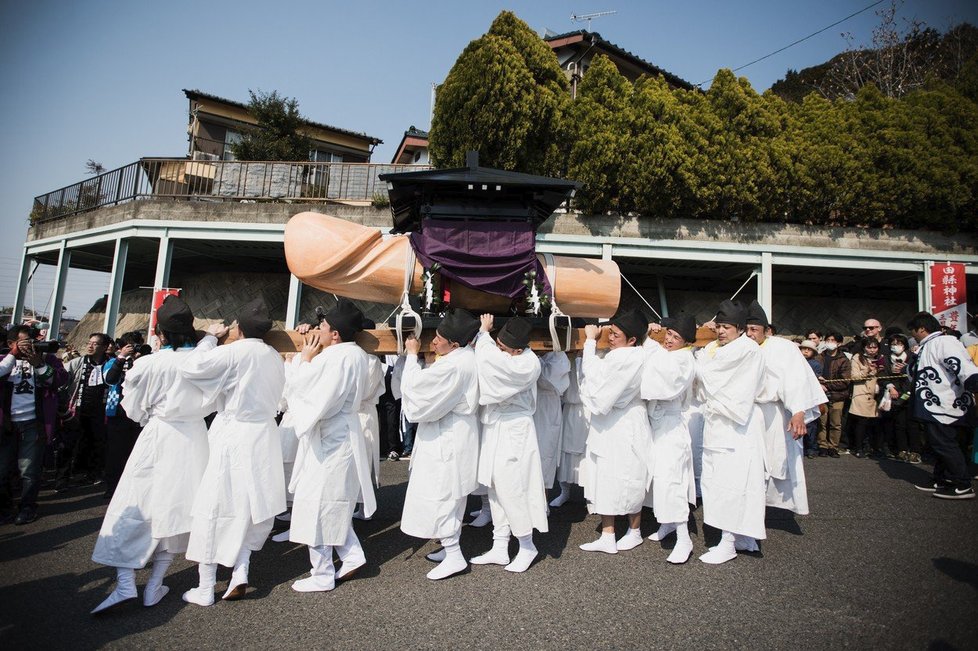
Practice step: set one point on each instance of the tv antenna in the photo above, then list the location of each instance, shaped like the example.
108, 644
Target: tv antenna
579, 18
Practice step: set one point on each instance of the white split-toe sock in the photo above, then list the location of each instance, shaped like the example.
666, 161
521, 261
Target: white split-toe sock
483, 509
203, 594
322, 575
284, 517
358, 513
606, 543
631, 540
745, 544
436, 556
282, 537
452, 563
125, 590
561, 499
684, 545
663, 531
155, 590
239, 576
525, 556
484, 515
351, 555
723, 552
499, 554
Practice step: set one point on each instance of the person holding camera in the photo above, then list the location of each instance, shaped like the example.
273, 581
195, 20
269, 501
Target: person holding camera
29, 382
86, 388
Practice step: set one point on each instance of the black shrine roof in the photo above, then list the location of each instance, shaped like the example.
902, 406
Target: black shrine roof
474, 192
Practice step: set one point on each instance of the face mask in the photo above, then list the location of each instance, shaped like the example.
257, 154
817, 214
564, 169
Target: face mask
831, 345
898, 349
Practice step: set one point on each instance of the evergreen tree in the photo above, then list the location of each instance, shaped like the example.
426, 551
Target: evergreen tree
277, 136
505, 97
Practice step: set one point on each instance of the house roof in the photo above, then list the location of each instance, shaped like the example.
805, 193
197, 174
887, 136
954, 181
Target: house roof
473, 192
196, 94
413, 137
569, 38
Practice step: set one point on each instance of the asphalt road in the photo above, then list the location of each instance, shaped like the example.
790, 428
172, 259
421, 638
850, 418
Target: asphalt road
877, 565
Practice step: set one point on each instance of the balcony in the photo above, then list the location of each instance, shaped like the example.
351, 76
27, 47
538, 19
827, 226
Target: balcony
218, 180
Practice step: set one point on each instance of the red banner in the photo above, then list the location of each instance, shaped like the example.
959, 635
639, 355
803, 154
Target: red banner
159, 295
948, 295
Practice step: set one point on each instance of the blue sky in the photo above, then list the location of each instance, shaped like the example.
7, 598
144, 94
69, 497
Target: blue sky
102, 79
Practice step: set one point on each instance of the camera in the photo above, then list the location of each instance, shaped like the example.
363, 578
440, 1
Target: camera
46, 347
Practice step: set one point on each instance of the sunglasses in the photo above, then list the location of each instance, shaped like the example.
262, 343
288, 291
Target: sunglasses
866, 327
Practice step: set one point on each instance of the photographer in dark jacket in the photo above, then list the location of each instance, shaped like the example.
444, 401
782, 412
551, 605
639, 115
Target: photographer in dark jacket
121, 431
29, 382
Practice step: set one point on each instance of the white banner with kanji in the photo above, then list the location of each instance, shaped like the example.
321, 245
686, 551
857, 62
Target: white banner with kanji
948, 295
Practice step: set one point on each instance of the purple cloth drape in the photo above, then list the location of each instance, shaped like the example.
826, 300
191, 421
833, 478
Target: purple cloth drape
489, 256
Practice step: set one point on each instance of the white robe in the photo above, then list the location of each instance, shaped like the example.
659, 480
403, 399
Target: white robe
443, 399
331, 470
509, 459
369, 421
728, 380
551, 385
618, 467
666, 384
789, 387
286, 434
574, 429
243, 486
152, 504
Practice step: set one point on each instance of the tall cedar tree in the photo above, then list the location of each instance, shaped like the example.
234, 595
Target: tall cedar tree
277, 136
505, 97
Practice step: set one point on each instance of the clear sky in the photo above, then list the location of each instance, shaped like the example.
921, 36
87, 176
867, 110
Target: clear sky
102, 79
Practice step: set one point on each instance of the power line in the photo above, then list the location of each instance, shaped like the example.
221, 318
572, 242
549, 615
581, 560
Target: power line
801, 40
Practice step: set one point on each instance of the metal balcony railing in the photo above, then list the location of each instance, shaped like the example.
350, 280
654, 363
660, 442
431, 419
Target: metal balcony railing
217, 180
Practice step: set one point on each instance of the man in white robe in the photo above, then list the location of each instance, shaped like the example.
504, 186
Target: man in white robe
789, 400
667, 380
547, 419
443, 399
369, 419
243, 487
618, 466
149, 515
509, 460
729, 373
332, 469
573, 435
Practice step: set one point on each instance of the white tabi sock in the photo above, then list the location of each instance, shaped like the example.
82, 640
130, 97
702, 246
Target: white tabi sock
322, 574
203, 594
485, 506
155, 590
358, 513
525, 557
606, 543
723, 552
282, 537
436, 556
125, 590
351, 555
452, 564
745, 544
631, 540
684, 545
284, 517
239, 576
499, 554
561, 499
482, 516
664, 530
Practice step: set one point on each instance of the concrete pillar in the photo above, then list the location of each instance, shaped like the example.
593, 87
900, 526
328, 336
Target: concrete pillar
764, 292
60, 280
115, 286
923, 288
23, 277
294, 303
662, 297
606, 252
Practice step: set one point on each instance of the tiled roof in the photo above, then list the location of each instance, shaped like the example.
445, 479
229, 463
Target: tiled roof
625, 54
196, 94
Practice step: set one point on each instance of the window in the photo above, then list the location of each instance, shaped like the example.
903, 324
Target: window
320, 173
230, 137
